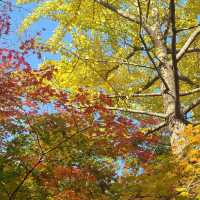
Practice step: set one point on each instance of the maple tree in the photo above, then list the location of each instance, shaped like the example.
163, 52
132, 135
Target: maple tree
121, 97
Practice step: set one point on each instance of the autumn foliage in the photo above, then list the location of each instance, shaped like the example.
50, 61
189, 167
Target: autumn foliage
59, 143
69, 152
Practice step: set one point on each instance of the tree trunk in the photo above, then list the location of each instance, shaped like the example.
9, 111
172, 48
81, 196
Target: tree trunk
175, 122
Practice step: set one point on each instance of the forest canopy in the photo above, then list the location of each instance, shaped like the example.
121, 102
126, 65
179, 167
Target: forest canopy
104, 107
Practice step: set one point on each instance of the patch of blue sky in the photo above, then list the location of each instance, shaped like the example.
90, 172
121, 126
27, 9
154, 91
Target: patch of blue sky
198, 18
125, 42
108, 50
13, 40
47, 108
45, 35
68, 38
183, 2
43, 108
120, 163
97, 116
124, 6
120, 167
105, 37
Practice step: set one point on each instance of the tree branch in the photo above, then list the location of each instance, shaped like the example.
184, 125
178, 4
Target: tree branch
126, 62
188, 43
160, 115
186, 29
148, 84
189, 50
117, 11
153, 80
154, 94
194, 104
121, 13
190, 92
136, 48
137, 95
156, 128
11, 197
187, 80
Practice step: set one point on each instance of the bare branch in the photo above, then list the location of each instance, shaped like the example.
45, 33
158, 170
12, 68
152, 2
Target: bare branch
126, 62
190, 92
154, 94
186, 29
118, 11
188, 43
156, 128
148, 84
160, 115
120, 62
187, 80
136, 48
123, 14
136, 95
189, 50
194, 104
193, 50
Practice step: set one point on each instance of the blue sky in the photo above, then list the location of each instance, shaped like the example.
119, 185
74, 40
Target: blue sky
14, 39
